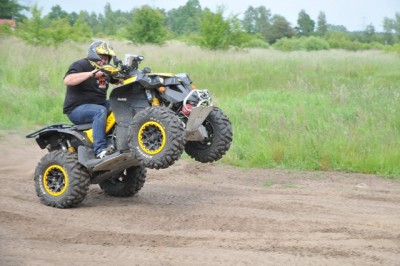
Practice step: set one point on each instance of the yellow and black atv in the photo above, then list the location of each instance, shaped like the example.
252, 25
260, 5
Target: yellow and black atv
154, 118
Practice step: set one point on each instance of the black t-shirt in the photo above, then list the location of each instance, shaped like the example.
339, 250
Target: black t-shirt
90, 91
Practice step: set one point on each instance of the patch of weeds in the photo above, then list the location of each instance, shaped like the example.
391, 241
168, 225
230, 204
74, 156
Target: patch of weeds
289, 185
268, 183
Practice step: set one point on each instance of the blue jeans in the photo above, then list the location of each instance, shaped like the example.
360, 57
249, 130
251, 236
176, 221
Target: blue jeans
97, 115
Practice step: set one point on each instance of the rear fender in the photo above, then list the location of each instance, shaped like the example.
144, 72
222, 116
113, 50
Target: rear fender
54, 135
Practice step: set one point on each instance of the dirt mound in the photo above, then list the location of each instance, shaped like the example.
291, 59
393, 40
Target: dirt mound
202, 214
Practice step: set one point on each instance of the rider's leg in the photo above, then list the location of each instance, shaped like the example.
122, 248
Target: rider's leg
95, 114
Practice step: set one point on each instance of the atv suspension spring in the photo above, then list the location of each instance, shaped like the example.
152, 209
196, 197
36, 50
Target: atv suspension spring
70, 148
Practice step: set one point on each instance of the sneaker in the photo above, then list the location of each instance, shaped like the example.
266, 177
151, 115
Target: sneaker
105, 152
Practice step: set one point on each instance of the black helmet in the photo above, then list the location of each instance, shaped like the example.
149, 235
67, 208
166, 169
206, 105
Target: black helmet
98, 48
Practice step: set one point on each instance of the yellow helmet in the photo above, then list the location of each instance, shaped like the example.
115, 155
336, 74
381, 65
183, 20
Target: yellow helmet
98, 48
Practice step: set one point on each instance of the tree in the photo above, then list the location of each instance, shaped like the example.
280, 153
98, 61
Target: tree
397, 26
92, 20
263, 20
214, 30
257, 20
110, 25
249, 20
56, 32
280, 28
81, 31
31, 30
185, 19
46, 31
73, 17
305, 24
322, 25
388, 27
10, 9
369, 34
392, 28
337, 28
147, 26
57, 13
238, 37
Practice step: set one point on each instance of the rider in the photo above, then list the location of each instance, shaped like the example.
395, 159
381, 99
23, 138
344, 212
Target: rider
86, 96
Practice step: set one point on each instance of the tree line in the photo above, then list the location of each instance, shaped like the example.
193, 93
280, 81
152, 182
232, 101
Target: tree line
195, 25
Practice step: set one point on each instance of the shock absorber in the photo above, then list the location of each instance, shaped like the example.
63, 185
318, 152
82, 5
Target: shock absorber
70, 148
150, 97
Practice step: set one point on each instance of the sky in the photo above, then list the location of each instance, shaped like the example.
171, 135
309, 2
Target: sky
353, 14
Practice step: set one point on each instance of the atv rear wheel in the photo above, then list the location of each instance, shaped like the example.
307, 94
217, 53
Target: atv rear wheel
60, 180
217, 143
157, 137
125, 184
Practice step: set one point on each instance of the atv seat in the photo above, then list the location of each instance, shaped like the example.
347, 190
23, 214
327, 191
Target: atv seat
82, 127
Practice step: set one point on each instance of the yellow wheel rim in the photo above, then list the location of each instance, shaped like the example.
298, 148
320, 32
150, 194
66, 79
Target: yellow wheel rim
152, 137
55, 180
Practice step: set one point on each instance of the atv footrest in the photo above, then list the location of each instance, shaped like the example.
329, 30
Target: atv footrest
112, 162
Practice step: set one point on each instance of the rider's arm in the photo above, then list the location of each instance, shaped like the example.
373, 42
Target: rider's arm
77, 78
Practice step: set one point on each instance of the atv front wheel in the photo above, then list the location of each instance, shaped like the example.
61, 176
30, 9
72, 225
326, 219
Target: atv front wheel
217, 143
125, 184
60, 180
157, 137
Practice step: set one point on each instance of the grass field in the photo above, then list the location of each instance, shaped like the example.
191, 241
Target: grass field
328, 110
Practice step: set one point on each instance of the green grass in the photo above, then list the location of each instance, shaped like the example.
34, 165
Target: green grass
330, 110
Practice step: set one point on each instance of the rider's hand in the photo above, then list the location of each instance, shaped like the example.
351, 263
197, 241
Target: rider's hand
96, 74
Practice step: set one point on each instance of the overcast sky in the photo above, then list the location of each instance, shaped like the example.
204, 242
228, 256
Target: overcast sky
353, 14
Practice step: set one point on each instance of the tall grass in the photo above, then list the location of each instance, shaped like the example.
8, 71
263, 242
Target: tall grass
330, 110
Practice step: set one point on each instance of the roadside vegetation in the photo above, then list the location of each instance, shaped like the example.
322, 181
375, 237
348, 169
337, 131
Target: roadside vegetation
257, 27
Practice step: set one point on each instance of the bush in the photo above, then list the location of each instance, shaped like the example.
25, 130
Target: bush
393, 48
147, 26
354, 46
306, 43
6, 30
376, 45
215, 32
286, 44
314, 44
257, 43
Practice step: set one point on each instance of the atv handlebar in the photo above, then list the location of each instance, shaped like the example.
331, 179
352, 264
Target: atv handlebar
129, 68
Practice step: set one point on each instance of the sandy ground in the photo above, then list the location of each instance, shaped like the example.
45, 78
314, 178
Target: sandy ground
195, 214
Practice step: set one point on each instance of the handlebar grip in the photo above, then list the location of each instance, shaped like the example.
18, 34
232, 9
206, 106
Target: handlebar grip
94, 73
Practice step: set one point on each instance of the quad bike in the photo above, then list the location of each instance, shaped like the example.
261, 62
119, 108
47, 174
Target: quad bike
154, 118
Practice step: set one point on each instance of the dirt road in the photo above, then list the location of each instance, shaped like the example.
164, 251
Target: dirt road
194, 214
